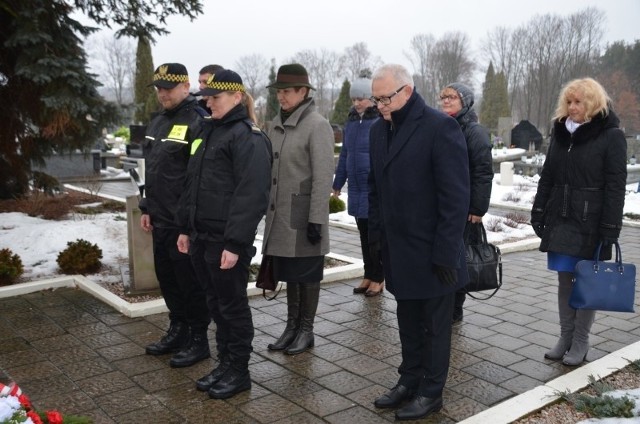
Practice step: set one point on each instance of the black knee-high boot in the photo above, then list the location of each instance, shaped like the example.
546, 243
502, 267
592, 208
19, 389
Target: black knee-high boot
293, 318
309, 295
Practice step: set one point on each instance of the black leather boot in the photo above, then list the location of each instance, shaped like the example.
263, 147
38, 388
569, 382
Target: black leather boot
293, 318
175, 339
309, 295
234, 381
205, 383
196, 351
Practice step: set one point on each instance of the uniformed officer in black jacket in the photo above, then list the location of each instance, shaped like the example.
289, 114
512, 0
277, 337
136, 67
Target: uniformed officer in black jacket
166, 149
229, 184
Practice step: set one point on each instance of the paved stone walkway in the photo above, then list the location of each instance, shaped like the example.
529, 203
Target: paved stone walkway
69, 351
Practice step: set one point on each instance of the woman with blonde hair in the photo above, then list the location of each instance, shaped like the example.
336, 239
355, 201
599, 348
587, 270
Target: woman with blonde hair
580, 200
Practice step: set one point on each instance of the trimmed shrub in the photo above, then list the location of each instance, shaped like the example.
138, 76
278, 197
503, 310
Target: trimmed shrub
336, 204
80, 257
47, 183
10, 267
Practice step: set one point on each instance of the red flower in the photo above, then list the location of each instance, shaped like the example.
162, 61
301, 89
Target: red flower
54, 417
34, 417
25, 402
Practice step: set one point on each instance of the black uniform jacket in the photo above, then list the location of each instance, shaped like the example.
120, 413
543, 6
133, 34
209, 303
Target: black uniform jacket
166, 151
229, 181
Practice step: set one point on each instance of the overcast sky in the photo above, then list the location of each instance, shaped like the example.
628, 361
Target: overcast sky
278, 29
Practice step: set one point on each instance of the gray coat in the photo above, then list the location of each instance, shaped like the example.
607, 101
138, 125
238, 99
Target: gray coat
301, 178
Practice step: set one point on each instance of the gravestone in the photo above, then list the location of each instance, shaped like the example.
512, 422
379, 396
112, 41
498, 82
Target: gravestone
141, 268
504, 130
506, 173
524, 134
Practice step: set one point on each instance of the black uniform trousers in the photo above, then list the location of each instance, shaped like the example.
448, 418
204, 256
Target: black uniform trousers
181, 291
372, 268
425, 336
226, 294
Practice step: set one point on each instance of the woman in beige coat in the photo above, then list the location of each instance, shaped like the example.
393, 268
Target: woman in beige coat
297, 223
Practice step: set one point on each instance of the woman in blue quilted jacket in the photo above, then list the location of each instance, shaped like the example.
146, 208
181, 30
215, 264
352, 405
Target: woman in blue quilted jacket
353, 166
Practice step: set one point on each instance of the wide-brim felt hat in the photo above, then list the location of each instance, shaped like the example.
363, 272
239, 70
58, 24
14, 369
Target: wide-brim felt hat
168, 75
291, 75
221, 81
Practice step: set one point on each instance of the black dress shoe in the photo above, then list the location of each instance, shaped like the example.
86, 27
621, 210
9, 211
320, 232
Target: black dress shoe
374, 293
205, 383
362, 288
394, 397
419, 407
233, 381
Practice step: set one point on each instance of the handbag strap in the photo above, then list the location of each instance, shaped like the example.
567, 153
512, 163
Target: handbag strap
481, 233
596, 257
264, 293
489, 296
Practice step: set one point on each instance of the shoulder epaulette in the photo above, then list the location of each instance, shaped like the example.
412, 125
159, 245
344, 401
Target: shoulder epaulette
254, 128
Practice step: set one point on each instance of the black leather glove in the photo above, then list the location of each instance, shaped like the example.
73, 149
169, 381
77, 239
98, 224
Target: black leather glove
607, 241
448, 276
538, 228
374, 252
314, 234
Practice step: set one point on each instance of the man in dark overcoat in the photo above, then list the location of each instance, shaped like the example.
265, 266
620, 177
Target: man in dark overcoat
419, 202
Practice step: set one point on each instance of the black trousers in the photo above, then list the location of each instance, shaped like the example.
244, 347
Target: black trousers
425, 335
181, 291
226, 294
372, 269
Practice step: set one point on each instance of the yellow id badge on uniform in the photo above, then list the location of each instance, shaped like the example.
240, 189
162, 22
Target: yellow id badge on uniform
178, 132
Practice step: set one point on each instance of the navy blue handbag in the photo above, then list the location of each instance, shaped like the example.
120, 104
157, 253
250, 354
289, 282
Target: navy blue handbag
604, 286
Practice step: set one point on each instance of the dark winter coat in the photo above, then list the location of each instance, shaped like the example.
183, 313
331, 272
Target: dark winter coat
581, 190
166, 150
419, 199
480, 162
353, 164
229, 181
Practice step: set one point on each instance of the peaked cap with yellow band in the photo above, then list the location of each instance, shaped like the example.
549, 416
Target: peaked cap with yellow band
223, 80
168, 75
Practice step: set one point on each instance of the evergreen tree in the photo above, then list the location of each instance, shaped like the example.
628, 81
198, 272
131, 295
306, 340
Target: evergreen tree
343, 104
145, 96
495, 99
273, 106
501, 96
487, 117
54, 104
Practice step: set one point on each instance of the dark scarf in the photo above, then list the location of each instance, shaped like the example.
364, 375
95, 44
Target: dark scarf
398, 116
284, 115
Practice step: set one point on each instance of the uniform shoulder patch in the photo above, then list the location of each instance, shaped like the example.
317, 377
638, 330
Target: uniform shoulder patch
252, 125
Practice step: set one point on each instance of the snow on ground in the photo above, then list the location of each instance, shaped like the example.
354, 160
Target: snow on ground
39, 241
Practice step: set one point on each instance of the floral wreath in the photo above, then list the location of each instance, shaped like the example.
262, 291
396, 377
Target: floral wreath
16, 408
